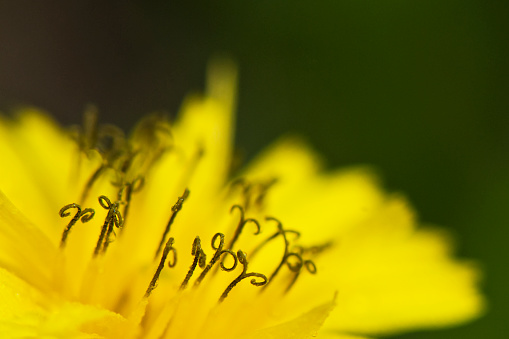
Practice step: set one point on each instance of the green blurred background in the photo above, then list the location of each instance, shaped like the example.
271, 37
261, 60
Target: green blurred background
418, 89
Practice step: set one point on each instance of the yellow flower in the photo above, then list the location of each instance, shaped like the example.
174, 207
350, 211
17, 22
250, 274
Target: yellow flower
150, 237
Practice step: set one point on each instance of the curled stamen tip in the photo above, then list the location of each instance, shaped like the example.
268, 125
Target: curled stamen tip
87, 214
63, 211
259, 283
104, 202
258, 228
241, 256
311, 267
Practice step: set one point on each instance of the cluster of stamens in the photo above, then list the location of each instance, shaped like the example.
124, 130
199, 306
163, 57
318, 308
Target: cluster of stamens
293, 259
118, 154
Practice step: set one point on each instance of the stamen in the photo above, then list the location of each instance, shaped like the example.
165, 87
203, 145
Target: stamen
297, 268
85, 216
175, 209
242, 223
87, 134
282, 232
243, 260
113, 218
215, 258
272, 237
169, 247
108, 140
199, 259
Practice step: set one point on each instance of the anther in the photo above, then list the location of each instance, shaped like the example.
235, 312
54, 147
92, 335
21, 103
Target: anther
174, 210
215, 258
241, 224
113, 218
199, 259
243, 260
85, 216
169, 247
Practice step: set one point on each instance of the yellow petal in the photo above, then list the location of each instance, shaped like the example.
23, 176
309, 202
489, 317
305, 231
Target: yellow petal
305, 200
28, 313
22, 306
305, 326
391, 276
332, 335
204, 131
26, 251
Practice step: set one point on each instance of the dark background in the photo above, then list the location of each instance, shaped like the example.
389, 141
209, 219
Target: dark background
418, 89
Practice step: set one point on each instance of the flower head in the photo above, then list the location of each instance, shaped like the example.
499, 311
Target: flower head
151, 236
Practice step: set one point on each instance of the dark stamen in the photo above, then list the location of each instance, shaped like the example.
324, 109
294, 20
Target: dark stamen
113, 218
169, 247
215, 258
243, 260
287, 254
242, 223
199, 259
175, 209
85, 216
297, 268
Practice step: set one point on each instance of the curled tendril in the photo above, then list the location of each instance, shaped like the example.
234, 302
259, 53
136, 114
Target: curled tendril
282, 232
175, 209
113, 218
85, 215
242, 223
297, 267
243, 260
199, 259
310, 266
167, 249
215, 258
63, 211
174, 251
